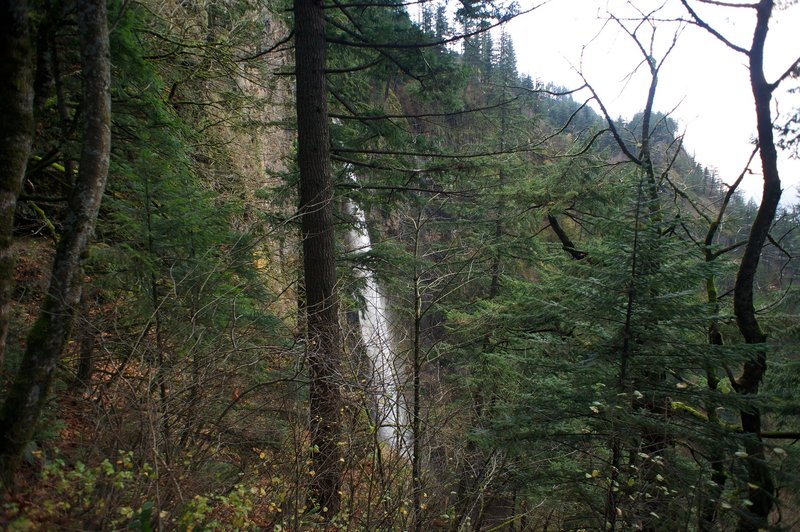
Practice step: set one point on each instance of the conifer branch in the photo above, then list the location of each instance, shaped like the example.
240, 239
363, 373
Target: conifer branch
440, 42
356, 116
271, 49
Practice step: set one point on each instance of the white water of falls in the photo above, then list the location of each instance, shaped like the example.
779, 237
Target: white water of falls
385, 382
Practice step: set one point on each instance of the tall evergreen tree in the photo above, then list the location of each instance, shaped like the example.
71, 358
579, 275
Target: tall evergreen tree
319, 253
50, 333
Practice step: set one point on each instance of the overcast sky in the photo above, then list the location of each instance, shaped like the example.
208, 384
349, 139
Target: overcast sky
703, 81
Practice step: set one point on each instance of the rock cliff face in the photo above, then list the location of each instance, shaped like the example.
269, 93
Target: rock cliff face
224, 78
227, 83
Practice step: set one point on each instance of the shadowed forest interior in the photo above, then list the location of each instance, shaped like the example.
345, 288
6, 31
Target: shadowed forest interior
318, 265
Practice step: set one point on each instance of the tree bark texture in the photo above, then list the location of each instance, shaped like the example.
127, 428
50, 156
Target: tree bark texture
319, 259
16, 136
49, 335
762, 494
762, 93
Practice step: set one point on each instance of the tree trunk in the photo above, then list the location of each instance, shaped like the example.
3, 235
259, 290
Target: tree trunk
319, 260
49, 335
762, 488
16, 136
416, 421
710, 501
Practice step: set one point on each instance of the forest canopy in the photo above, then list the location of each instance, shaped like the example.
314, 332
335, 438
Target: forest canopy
317, 265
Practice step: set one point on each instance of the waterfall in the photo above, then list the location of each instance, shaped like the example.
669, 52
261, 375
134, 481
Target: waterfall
386, 379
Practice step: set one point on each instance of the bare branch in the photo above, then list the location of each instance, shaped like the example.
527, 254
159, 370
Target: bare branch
703, 24
778, 245
726, 249
793, 69
712, 229
551, 93
585, 148
686, 197
727, 4
611, 126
